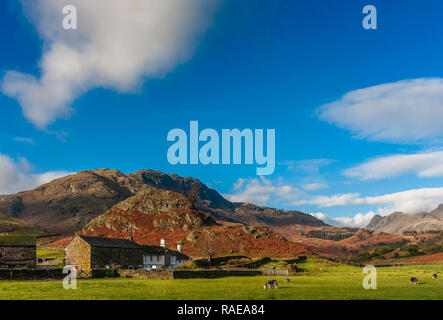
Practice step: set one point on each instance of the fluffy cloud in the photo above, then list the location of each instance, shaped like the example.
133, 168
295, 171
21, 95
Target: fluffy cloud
409, 201
16, 176
117, 45
408, 111
329, 201
260, 191
427, 164
326, 219
315, 186
358, 221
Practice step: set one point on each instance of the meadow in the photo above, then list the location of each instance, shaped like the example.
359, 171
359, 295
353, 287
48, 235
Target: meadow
316, 281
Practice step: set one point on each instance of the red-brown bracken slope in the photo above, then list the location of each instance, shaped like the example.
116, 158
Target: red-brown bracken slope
153, 214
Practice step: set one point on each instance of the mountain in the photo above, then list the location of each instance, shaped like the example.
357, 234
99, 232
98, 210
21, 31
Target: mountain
209, 200
65, 205
399, 222
153, 214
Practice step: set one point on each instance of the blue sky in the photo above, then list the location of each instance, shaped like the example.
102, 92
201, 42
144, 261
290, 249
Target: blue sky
285, 65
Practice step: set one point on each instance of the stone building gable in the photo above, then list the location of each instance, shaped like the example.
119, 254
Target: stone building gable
78, 253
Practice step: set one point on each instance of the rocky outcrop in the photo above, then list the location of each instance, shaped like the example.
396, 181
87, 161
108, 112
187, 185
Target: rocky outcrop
153, 214
151, 208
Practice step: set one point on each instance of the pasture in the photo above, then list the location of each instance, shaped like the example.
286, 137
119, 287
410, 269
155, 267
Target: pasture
316, 281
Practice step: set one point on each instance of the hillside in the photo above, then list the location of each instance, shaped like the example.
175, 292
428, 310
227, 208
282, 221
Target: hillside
153, 214
66, 205
399, 222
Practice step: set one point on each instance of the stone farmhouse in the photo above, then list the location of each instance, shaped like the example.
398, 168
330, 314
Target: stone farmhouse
17, 251
87, 253
163, 258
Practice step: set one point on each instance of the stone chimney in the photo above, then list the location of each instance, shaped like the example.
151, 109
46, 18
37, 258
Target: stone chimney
163, 243
179, 248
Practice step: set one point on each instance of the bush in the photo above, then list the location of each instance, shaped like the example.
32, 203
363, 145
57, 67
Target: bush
188, 265
413, 251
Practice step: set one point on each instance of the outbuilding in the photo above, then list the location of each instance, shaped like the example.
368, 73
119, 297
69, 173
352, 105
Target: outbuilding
17, 251
87, 253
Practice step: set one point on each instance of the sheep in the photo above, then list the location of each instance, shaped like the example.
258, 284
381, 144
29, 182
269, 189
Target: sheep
287, 280
271, 284
414, 280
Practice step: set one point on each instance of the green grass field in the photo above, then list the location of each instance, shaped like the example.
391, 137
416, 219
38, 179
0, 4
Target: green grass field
51, 253
319, 281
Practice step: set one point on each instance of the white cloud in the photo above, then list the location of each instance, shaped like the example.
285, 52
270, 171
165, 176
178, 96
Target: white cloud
426, 164
24, 140
357, 221
408, 111
328, 201
326, 219
315, 186
118, 45
409, 201
16, 175
260, 191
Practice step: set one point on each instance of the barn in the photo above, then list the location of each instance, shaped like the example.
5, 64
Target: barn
17, 251
87, 253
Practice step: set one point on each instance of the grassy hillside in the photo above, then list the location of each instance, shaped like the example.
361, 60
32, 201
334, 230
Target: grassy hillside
317, 281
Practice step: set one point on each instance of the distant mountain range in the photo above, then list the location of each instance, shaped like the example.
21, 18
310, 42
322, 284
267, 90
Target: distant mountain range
66, 205
399, 222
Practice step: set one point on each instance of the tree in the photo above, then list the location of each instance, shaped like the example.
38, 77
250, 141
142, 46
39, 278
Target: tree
193, 194
210, 245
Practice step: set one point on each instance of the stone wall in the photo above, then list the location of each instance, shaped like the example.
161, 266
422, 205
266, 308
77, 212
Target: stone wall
254, 264
17, 257
188, 274
146, 274
18, 274
57, 274
185, 274
275, 272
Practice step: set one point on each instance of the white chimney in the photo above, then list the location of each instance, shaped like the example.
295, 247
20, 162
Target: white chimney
179, 248
163, 243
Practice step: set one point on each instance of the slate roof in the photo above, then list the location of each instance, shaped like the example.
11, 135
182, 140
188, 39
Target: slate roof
17, 240
110, 242
163, 251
